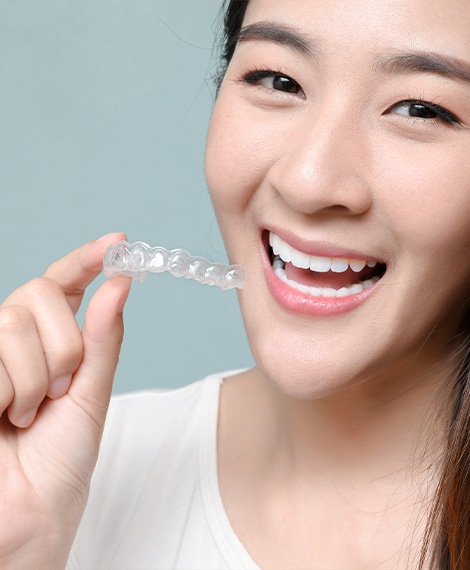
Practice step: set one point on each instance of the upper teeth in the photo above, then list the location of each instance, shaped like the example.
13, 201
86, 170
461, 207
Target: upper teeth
316, 263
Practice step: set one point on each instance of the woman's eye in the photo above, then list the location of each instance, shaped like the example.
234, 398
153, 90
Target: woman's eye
274, 80
424, 110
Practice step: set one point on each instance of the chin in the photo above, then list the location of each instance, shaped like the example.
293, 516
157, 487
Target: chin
313, 378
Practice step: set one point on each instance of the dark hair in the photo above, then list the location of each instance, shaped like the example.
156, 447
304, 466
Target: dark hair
233, 14
447, 536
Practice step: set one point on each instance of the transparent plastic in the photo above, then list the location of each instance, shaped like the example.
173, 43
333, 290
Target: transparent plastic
138, 259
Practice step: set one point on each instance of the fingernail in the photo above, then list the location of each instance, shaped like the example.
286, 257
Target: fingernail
60, 386
26, 419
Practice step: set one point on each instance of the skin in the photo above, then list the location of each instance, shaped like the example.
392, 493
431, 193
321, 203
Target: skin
45, 470
338, 409
325, 470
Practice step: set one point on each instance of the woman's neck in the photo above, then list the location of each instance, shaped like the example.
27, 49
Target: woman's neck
369, 457
361, 432
370, 426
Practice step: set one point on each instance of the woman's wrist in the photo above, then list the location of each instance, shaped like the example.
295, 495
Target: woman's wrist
48, 552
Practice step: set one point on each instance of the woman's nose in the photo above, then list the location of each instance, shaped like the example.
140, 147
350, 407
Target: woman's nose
324, 167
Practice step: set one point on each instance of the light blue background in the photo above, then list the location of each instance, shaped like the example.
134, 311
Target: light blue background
104, 108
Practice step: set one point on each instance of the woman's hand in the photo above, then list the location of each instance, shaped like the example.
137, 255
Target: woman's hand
55, 385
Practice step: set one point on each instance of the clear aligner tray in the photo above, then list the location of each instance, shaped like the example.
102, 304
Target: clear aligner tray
138, 259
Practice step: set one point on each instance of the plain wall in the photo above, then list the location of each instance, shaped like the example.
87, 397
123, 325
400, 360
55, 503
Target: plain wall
104, 107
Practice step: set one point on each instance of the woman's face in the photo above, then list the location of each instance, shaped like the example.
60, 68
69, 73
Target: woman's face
342, 132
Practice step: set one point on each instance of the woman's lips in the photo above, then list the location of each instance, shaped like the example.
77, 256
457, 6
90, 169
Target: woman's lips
340, 285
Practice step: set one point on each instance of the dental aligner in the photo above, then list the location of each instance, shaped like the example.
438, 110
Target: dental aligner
138, 259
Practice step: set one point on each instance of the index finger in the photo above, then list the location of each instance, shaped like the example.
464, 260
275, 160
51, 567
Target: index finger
79, 268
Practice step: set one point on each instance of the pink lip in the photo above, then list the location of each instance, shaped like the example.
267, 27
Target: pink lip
298, 302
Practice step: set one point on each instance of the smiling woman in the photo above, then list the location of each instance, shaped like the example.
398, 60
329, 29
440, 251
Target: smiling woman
337, 163
353, 142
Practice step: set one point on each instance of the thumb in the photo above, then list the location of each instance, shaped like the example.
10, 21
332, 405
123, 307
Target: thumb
102, 337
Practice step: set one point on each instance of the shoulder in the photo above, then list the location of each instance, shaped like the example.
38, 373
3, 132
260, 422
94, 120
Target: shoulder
154, 499
148, 457
156, 408
140, 423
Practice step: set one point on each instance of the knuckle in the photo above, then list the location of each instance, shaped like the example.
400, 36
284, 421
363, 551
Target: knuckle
32, 291
15, 318
67, 357
31, 392
42, 286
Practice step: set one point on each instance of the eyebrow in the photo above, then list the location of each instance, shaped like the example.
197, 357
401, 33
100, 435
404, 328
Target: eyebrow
426, 62
279, 34
402, 62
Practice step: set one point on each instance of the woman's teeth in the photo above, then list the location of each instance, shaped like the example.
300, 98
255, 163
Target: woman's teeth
319, 264
287, 254
278, 267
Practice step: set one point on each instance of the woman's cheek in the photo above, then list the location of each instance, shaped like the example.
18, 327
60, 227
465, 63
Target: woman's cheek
428, 202
241, 147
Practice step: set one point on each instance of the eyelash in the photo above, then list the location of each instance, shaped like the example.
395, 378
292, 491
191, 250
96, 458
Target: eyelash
442, 113
253, 78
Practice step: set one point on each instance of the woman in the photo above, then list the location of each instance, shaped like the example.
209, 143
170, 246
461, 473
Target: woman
337, 160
